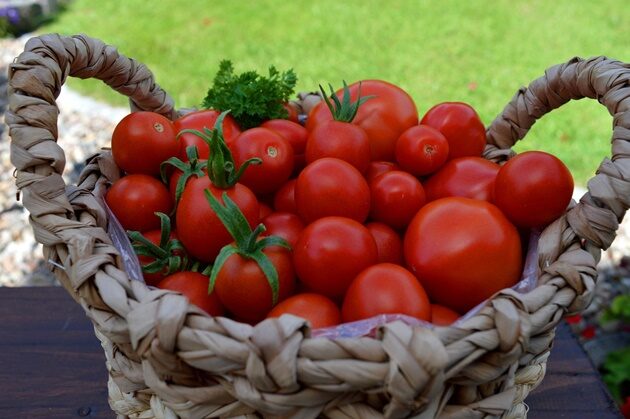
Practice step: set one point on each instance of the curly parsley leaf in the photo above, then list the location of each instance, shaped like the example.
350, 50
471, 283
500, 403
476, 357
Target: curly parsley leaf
250, 97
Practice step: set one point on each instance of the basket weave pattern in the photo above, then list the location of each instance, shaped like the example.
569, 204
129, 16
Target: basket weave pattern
167, 359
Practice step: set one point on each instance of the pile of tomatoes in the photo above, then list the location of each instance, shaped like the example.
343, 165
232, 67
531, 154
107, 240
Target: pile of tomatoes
365, 209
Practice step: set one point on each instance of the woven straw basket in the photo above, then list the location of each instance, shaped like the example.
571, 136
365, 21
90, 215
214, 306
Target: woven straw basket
167, 359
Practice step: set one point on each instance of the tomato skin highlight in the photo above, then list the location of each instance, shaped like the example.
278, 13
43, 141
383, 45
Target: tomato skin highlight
319, 310
385, 289
341, 140
396, 198
388, 243
199, 120
462, 251
194, 286
331, 252
421, 150
467, 177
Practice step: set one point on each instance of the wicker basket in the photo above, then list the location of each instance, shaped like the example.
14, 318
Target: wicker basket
167, 359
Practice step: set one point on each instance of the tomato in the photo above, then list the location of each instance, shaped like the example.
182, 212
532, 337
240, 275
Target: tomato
388, 243
134, 200
284, 198
341, 140
385, 289
292, 110
276, 154
329, 187
533, 189
396, 198
243, 288
331, 252
376, 168
177, 174
198, 226
320, 311
194, 286
461, 126
421, 150
463, 251
386, 115
469, 177
141, 141
154, 237
264, 210
294, 133
199, 120
443, 316
284, 224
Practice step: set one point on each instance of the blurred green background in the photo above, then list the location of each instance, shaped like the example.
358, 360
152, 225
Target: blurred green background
478, 52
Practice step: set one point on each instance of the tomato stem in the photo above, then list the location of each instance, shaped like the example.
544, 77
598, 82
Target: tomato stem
193, 167
344, 110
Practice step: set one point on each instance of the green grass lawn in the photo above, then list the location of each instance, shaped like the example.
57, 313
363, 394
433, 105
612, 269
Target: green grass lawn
479, 52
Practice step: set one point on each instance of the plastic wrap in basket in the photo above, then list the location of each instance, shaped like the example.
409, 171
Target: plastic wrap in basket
168, 359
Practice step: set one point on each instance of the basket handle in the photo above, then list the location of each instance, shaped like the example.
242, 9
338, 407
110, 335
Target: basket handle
597, 216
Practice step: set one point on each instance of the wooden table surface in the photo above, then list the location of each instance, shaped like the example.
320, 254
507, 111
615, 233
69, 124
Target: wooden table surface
52, 365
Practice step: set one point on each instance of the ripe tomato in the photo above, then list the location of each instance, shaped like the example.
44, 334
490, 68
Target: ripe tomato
284, 198
243, 288
294, 133
264, 210
396, 198
276, 154
331, 252
331, 186
142, 141
468, 177
384, 117
385, 289
421, 150
388, 243
320, 311
200, 120
341, 140
376, 168
461, 126
284, 224
200, 230
154, 237
463, 251
443, 316
134, 200
194, 286
533, 189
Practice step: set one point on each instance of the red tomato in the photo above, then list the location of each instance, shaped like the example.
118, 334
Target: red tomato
533, 189
388, 243
134, 200
293, 113
199, 229
443, 316
331, 252
331, 186
154, 237
194, 286
284, 224
264, 210
385, 289
421, 150
383, 117
142, 141
396, 198
200, 120
461, 126
468, 177
175, 176
462, 251
376, 168
341, 140
320, 311
243, 288
277, 159
284, 199
293, 132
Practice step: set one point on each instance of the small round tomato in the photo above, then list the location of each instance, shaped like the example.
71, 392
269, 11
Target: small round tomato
320, 311
134, 200
462, 251
194, 286
533, 189
376, 168
396, 198
284, 224
277, 159
388, 243
200, 120
284, 198
385, 289
468, 177
331, 252
329, 187
443, 316
141, 141
341, 140
294, 133
461, 126
154, 236
421, 150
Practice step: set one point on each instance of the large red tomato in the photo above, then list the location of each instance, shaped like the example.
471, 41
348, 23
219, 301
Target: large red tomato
533, 189
320, 311
195, 287
468, 177
342, 140
396, 197
463, 251
200, 120
386, 115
